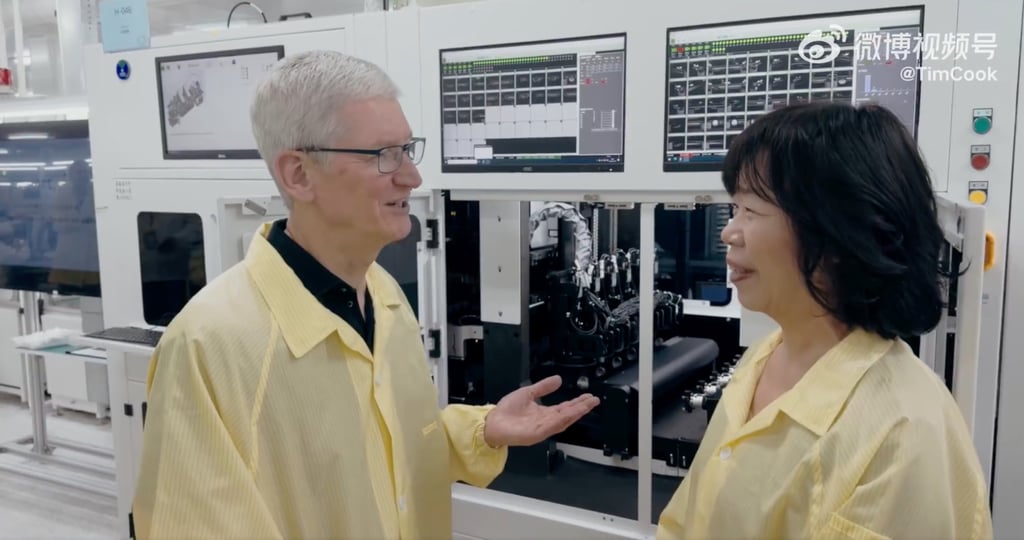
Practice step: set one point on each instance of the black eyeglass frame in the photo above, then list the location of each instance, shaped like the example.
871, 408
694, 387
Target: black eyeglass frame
377, 152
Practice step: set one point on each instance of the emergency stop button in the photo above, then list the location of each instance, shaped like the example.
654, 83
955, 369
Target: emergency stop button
980, 156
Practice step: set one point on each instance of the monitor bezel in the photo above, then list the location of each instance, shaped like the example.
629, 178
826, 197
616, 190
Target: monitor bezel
716, 166
218, 154
567, 168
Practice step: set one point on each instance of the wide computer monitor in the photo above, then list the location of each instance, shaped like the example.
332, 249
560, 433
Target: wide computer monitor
204, 102
172, 262
723, 77
550, 106
48, 238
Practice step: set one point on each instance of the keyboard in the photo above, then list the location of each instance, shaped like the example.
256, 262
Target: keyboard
129, 334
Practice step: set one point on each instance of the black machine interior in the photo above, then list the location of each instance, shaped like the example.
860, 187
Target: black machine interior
583, 325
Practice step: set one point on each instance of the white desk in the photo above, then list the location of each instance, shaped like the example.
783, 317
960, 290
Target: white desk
63, 470
127, 369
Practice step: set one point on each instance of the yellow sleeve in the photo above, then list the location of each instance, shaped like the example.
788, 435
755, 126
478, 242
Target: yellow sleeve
671, 523
193, 482
471, 460
923, 482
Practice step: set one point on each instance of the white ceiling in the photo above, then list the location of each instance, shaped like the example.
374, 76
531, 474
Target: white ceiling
169, 16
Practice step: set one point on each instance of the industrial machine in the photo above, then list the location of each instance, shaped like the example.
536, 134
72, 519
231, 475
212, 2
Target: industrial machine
583, 296
571, 210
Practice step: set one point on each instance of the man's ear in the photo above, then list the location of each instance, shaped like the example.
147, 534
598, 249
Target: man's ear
292, 169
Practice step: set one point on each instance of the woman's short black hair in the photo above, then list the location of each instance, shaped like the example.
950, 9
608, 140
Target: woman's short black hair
859, 196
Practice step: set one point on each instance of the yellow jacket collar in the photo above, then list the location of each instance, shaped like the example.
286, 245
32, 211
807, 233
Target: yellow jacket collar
817, 399
303, 320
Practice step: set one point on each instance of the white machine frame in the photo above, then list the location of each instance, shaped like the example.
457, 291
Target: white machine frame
132, 176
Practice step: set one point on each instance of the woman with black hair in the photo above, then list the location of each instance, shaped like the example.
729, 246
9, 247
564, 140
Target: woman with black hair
832, 427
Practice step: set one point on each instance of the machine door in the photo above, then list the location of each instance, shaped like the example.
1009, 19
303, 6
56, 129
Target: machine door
413, 262
952, 349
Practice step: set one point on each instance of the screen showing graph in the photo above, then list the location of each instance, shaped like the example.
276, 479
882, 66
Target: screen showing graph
534, 107
722, 78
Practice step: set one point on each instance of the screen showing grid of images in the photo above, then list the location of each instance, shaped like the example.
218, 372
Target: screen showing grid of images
551, 106
722, 80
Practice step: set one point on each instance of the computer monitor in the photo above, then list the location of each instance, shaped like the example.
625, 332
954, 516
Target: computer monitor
48, 238
721, 78
204, 102
549, 106
172, 263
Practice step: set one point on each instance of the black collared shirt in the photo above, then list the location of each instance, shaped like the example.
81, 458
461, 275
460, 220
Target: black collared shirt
329, 289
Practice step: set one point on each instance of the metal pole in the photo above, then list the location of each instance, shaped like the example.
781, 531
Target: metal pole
645, 421
36, 400
3, 42
70, 37
19, 48
36, 403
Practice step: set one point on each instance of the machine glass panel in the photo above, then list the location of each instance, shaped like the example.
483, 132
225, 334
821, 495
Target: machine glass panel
47, 211
204, 102
400, 259
172, 263
721, 78
553, 106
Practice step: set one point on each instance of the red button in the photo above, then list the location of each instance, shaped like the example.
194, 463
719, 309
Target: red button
979, 161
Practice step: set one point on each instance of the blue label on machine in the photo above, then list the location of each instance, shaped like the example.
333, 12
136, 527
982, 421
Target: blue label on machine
124, 25
124, 70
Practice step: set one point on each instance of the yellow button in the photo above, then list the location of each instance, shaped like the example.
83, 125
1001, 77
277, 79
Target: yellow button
978, 197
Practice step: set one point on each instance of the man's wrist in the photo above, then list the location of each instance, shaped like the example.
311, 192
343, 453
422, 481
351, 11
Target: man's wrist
484, 432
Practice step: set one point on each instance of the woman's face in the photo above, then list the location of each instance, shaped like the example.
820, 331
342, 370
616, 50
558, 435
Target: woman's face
762, 259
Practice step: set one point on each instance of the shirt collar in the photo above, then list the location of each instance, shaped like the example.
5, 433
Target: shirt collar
303, 320
311, 273
817, 399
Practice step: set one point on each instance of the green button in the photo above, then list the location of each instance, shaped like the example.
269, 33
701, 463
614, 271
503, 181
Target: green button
982, 124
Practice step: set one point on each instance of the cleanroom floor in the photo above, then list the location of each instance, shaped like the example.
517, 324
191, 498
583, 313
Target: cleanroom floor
36, 509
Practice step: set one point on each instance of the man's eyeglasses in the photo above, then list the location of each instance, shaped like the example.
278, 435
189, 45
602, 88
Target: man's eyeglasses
389, 158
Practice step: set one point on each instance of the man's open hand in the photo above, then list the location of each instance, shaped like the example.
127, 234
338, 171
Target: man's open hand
518, 420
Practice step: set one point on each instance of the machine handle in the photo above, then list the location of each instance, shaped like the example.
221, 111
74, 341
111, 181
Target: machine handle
990, 250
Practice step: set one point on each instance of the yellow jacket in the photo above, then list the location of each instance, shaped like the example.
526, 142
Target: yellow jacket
268, 417
869, 444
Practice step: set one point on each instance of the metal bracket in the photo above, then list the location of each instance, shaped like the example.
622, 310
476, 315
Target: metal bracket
435, 343
433, 242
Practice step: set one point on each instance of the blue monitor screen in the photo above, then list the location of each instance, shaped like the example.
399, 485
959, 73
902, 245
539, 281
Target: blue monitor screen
47, 211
